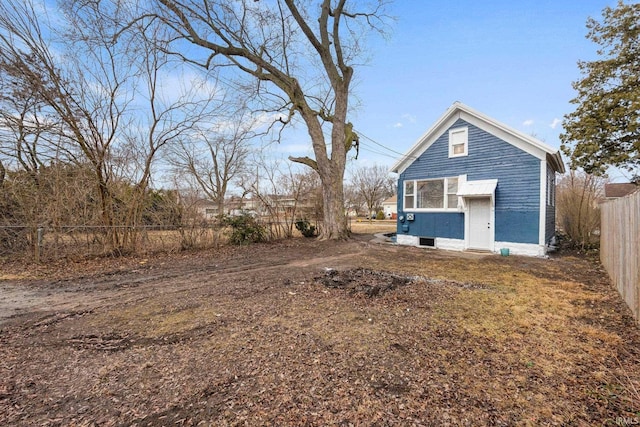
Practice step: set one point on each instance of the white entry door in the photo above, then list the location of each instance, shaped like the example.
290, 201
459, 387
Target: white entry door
480, 223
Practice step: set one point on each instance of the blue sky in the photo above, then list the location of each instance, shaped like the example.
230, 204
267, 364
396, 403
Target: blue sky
512, 60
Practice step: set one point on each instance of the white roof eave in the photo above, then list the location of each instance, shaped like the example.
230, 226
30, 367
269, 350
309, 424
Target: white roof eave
460, 110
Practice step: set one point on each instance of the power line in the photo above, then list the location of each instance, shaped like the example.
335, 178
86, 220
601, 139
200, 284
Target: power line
379, 144
370, 150
404, 156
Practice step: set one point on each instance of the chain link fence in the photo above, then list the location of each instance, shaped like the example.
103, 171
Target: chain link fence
45, 243
48, 243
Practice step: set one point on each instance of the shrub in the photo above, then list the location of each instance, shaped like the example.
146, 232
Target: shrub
245, 229
578, 211
380, 215
307, 230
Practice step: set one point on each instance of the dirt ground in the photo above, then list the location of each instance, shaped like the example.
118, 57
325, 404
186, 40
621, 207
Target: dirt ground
303, 332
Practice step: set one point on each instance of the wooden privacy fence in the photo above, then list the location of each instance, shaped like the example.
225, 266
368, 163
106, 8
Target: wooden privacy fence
620, 247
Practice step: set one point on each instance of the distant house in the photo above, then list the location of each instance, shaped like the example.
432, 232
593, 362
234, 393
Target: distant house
234, 205
206, 209
390, 207
471, 182
616, 190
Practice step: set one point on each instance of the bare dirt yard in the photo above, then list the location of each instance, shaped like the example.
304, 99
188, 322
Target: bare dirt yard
302, 332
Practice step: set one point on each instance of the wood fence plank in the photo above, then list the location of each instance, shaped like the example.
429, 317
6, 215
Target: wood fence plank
620, 247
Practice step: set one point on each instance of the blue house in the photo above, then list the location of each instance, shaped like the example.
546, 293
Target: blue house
474, 183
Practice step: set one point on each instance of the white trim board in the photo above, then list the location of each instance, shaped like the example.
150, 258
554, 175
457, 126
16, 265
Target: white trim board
524, 249
460, 111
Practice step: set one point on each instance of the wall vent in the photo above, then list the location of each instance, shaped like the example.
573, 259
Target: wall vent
428, 241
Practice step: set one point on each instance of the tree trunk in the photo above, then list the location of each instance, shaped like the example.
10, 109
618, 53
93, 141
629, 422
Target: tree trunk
335, 220
331, 170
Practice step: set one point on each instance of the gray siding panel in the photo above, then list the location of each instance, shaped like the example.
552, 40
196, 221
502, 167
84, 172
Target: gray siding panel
489, 157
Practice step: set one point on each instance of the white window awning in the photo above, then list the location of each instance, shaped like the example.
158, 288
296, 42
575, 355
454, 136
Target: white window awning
481, 188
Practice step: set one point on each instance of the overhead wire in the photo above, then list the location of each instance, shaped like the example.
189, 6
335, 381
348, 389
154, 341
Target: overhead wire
404, 155
372, 151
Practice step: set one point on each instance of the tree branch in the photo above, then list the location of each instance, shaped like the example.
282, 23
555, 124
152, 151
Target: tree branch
305, 161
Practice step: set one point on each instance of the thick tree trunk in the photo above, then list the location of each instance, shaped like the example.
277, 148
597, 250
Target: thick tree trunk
331, 170
335, 220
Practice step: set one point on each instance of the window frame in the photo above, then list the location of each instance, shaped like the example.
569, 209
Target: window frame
551, 189
445, 195
459, 130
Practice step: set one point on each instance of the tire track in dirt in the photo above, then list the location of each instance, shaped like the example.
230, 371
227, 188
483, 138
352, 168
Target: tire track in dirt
45, 301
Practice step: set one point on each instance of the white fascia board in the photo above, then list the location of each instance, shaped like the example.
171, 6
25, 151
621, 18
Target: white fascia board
459, 110
507, 135
439, 127
515, 133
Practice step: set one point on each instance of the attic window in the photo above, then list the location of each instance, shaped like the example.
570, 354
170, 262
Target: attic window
458, 138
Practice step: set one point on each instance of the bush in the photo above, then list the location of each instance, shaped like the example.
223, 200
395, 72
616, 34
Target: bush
245, 229
577, 211
380, 215
307, 230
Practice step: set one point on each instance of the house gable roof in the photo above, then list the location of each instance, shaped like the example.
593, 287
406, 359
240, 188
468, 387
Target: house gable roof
460, 111
391, 200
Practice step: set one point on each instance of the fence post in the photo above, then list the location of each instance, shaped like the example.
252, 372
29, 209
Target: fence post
39, 237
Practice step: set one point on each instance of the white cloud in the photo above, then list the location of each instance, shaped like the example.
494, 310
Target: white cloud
527, 122
406, 118
554, 124
409, 117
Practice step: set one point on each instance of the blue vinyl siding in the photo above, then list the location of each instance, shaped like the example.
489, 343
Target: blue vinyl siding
517, 195
550, 220
518, 226
550, 226
437, 224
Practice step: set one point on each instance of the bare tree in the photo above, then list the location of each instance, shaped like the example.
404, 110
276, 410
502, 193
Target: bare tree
578, 196
87, 101
353, 202
23, 135
95, 94
301, 54
216, 156
373, 184
285, 194
161, 120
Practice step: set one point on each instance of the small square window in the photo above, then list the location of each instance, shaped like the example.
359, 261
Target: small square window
458, 141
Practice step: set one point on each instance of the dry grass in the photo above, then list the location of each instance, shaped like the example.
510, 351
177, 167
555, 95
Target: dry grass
363, 226
473, 340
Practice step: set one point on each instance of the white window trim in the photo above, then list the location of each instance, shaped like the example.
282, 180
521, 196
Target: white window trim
551, 194
465, 131
460, 178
